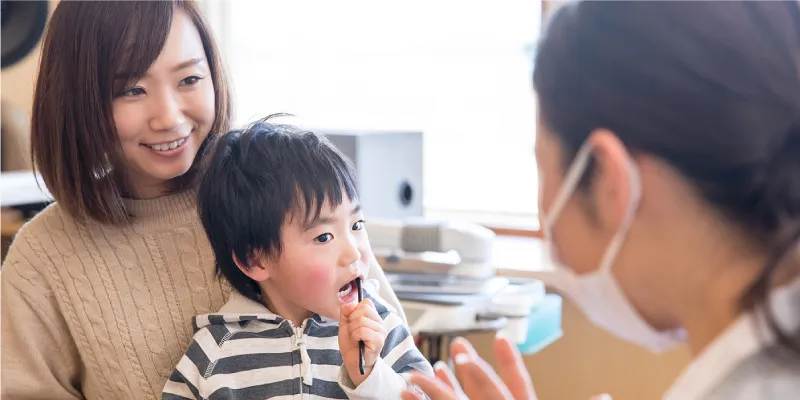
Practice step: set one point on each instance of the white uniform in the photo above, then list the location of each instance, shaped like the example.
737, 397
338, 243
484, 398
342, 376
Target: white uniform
740, 364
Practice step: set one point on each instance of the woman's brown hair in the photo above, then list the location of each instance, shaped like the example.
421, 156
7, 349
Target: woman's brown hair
74, 143
712, 88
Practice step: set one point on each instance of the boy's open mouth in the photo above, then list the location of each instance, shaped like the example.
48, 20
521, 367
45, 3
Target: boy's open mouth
349, 292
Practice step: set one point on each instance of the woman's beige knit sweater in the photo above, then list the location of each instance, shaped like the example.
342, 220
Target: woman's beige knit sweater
100, 312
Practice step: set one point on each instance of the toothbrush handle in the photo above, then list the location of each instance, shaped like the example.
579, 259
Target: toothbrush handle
361, 367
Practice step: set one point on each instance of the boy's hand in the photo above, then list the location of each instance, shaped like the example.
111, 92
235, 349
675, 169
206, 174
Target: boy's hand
360, 322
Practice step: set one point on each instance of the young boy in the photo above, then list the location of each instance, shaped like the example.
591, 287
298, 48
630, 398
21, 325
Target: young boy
280, 208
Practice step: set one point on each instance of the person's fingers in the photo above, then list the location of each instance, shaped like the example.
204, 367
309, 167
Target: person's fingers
366, 309
512, 370
409, 395
345, 311
461, 350
446, 376
432, 387
480, 380
364, 322
373, 341
604, 396
462, 346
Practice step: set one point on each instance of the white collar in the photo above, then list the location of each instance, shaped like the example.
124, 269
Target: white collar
238, 304
746, 337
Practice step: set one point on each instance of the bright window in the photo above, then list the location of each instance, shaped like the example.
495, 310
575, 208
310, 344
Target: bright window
458, 71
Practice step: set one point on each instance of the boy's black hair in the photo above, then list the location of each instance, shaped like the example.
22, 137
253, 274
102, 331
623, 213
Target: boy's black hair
255, 180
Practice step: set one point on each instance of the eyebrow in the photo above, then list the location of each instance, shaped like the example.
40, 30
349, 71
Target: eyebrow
327, 220
188, 63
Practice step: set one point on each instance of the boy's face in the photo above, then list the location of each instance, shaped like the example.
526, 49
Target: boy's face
316, 270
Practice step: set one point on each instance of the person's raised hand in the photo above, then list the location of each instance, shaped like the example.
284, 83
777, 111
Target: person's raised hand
443, 387
512, 370
480, 380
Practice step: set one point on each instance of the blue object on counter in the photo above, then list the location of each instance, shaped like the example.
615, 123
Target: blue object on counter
544, 325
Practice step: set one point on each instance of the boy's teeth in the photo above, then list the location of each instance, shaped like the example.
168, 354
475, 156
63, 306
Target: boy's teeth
166, 146
346, 291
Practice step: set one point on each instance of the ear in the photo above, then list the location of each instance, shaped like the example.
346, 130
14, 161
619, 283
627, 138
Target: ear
612, 185
258, 269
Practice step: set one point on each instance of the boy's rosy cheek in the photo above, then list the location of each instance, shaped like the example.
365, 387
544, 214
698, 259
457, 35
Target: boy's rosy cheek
319, 277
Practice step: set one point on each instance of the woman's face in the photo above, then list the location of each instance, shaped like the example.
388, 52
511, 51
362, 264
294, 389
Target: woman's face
593, 214
164, 118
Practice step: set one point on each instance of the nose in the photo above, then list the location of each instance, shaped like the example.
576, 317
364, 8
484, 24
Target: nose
167, 113
350, 252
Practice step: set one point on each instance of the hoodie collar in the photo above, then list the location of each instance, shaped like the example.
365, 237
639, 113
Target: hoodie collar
241, 309
238, 304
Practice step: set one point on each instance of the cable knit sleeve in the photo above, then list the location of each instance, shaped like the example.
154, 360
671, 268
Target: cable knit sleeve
39, 357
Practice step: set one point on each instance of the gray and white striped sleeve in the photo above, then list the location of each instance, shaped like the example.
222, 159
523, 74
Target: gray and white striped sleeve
399, 358
186, 380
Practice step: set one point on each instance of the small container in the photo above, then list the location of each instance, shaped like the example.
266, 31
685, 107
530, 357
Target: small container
516, 311
516, 303
544, 325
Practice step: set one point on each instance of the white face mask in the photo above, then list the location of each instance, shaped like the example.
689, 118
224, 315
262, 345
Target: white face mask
597, 293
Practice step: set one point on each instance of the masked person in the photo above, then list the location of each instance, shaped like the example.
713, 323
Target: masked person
669, 166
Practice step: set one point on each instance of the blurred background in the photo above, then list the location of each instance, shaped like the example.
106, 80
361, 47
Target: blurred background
461, 73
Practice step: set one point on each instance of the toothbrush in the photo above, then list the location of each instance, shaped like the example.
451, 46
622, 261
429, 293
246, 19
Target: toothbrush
361, 367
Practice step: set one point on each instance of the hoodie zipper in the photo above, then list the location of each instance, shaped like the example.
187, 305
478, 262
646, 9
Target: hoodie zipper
306, 377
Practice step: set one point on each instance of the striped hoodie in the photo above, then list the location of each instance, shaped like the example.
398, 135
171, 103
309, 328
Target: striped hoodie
247, 352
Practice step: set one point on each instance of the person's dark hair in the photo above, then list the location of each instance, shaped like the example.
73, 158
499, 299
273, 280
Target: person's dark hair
259, 178
74, 143
712, 88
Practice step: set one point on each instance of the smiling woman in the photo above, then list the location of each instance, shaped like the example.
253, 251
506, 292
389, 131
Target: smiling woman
158, 88
163, 117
